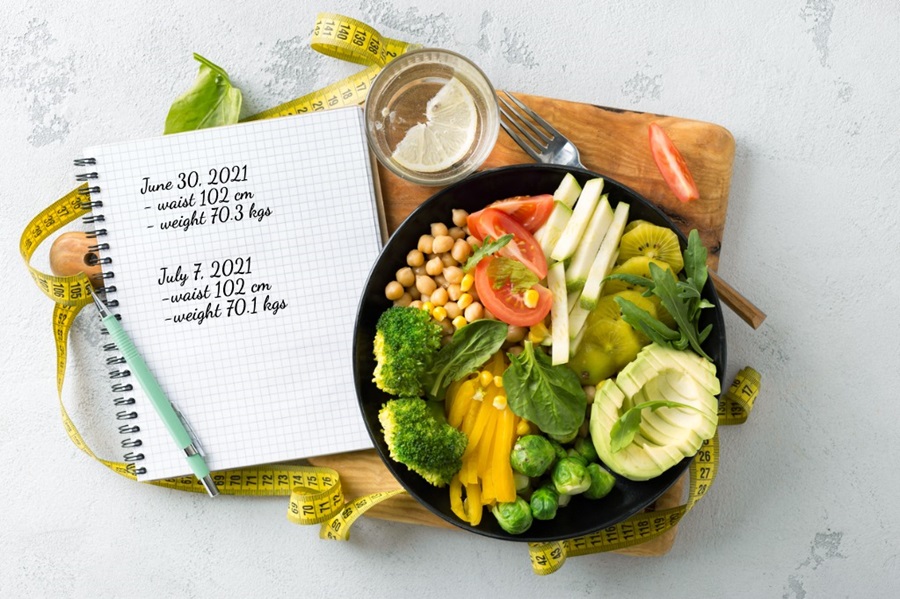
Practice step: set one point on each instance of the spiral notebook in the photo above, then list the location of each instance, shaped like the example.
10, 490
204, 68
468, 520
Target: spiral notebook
235, 257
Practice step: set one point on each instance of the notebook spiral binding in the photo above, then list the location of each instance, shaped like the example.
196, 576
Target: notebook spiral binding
120, 389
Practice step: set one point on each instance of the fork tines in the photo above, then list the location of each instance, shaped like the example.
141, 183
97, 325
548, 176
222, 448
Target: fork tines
544, 143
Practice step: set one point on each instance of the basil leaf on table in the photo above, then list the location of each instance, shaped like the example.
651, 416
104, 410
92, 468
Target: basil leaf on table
211, 102
470, 347
549, 396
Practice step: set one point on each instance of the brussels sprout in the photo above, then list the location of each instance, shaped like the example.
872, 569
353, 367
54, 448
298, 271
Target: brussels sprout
573, 453
532, 455
559, 449
521, 481
602, 482
564, 500
544, 502
585, 447
514, 517
570, 477
565, 438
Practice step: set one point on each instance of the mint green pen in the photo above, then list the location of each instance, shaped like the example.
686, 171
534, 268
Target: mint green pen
170, 416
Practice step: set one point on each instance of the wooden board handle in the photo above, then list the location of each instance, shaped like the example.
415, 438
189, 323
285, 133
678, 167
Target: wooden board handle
737, 302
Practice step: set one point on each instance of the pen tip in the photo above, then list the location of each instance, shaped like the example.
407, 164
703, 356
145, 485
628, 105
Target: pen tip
210, 486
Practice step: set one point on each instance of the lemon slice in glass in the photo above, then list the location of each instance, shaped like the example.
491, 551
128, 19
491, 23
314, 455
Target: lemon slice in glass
447, 134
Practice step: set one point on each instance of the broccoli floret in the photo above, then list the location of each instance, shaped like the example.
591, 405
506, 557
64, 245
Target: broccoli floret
406, 340
420, 438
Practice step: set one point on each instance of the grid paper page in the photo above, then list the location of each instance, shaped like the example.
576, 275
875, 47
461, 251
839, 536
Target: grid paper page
239, 256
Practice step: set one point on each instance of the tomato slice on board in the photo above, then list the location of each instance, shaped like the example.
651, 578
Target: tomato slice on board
507, 304
529, 211
671, 165
523, 247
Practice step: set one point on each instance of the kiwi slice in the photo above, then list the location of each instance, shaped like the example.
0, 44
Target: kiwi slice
607, 347
638, 265
654, 242
635, 223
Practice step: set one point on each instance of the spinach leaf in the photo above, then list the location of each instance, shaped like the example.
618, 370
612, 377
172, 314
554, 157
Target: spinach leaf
212, 101
549, 396
470, 347
626, 427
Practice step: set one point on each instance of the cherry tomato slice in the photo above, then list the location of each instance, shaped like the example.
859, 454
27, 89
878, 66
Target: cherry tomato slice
507, 304
523, 247
671, 165
529, 211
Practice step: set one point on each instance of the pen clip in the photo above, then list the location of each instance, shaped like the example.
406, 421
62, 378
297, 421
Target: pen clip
193, 435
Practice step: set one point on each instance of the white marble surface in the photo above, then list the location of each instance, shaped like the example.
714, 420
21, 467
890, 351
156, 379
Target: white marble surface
806, 501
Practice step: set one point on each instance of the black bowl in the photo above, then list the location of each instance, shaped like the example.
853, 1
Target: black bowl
581, 516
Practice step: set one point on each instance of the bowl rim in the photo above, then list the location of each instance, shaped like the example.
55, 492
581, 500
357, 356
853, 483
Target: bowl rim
393, 467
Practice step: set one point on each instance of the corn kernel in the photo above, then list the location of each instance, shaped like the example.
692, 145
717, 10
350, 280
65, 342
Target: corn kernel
467, 281
486, 378
427, 306
465, 300
459, 322
500, 402
439, 313
531, 298
498, 380
538, 333
523, 428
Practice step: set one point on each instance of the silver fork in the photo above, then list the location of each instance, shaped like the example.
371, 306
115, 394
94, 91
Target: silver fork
544, 143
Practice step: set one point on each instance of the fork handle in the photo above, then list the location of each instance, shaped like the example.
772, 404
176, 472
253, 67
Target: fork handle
737, 302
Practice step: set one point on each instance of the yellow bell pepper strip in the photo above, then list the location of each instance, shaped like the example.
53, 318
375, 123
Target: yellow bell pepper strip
459, 402
473, 504
456, 500
504, 484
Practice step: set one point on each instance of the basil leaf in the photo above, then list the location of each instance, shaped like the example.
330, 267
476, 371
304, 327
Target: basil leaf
549, 396
487, 248
507, 271
212, 101
626, 427
470, 347
641, 320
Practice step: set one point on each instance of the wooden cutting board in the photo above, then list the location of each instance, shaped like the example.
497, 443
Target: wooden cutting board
615, 143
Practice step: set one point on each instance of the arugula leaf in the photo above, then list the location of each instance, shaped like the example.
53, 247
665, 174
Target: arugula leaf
681, 310
212, 101
470, 347
642, 320
549, 396
626, 427
486, 249
695, 260
503, 271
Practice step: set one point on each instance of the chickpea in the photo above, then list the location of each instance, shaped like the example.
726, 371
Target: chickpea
515, 334
461, 250
404, 300
406, 277
516, 350
439, 297
489, 315
434, 267
457, 233
425, 284
415, 258
414, 293
448, 259
419, 270
590, 392
438, 229
426, 242
474, 312
454, 274
441, 280
442, 243
393, 291
460, 217
472, 241
453, 310
415, 304
447, 326
453, 291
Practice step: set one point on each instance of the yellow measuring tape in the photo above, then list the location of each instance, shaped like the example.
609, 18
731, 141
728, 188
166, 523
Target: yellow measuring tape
315, 493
